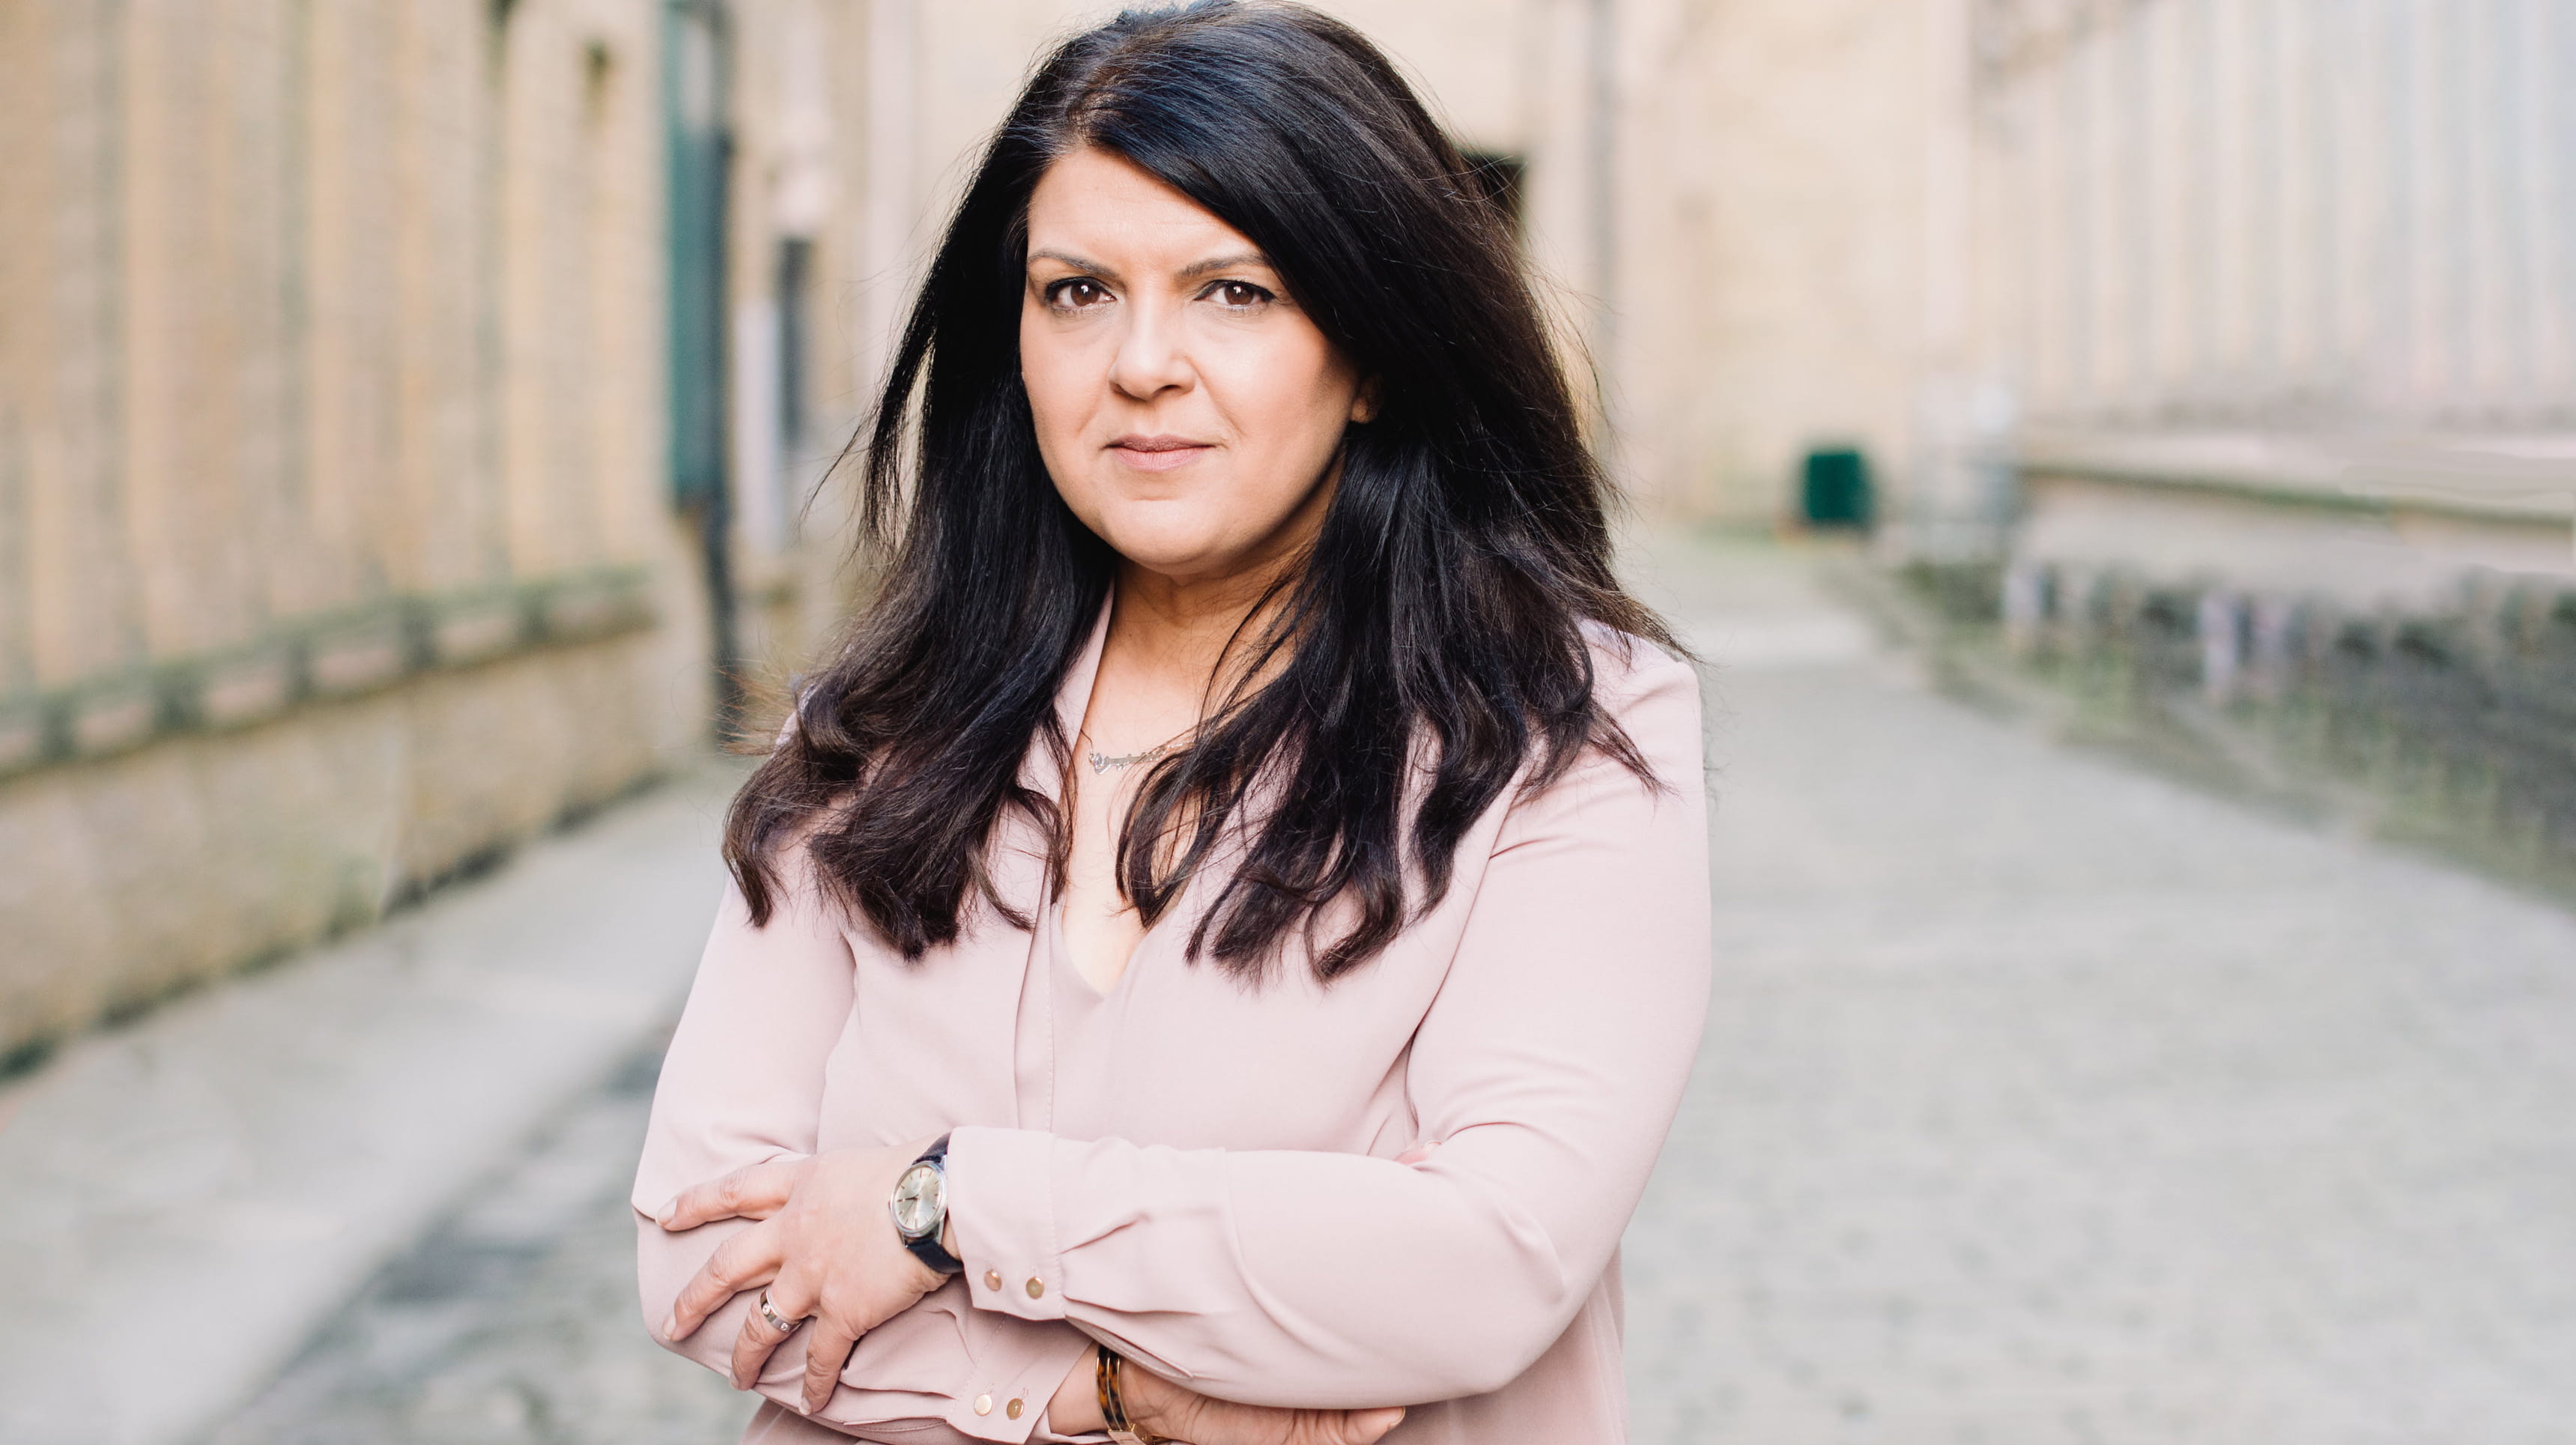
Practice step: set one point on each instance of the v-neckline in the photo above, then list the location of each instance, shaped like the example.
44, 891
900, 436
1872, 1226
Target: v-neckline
1072, 709
1060, 945
1073, 712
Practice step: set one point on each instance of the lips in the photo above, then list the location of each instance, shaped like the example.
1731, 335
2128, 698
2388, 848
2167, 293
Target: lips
1158, 453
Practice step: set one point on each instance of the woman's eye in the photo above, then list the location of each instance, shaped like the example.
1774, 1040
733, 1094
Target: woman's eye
1241, 295
1076, 293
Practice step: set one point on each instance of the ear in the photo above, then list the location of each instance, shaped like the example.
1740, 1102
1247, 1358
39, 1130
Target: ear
1364, 402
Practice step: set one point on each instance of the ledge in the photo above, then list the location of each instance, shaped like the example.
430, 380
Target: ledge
325, 657
2507, 477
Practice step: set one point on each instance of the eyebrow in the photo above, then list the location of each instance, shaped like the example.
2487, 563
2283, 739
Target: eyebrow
1190, 272
1214, 264
1076, 262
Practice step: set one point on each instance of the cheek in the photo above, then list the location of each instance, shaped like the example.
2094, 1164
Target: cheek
1290, 402
1055, 400
1063, 386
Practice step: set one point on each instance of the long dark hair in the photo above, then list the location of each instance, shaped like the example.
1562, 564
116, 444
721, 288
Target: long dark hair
1431, 645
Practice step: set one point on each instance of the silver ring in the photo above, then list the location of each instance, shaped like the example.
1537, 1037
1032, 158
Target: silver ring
784, 1327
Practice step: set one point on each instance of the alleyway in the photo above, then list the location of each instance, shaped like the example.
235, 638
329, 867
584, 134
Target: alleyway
2043, 1101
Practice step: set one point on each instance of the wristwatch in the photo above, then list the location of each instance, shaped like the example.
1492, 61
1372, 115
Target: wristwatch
920, 1208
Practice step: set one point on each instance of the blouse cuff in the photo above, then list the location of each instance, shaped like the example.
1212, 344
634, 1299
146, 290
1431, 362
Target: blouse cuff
1016, 1373
1001, 1192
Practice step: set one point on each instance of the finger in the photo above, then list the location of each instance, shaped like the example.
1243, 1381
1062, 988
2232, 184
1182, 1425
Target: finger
758, 1340
1364, 1427
755, 1191
1326, 1427
828, 1342
746, 1261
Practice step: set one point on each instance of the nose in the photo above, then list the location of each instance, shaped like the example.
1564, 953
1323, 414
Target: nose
1152, 355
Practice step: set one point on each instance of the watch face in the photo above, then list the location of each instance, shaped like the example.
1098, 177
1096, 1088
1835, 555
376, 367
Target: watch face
919, 1201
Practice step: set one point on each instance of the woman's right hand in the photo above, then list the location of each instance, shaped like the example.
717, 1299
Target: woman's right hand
1175, 1413
1156, 1406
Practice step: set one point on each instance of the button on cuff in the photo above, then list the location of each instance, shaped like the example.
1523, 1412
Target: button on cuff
1011, 1359
1001, 1191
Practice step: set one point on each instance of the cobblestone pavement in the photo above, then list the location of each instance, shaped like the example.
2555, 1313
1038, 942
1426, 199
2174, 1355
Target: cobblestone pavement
2043, 1101
514, 1323
224, 1172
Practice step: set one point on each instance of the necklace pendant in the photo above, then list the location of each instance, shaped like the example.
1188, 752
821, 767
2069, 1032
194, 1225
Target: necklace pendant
1102, 762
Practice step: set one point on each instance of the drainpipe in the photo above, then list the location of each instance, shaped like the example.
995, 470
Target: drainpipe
697, 63
1602, 142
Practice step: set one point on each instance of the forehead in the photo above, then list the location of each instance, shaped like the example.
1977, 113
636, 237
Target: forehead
1106, 207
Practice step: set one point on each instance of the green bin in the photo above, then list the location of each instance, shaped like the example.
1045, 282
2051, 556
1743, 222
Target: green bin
1835, 492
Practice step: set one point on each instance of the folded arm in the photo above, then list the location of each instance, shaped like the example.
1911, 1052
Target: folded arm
1548, 1068
743, 1084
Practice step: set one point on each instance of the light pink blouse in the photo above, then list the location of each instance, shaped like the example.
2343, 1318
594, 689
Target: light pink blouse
1203, 1172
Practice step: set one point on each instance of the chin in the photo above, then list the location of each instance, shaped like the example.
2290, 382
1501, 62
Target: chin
1164, 535
1175, 557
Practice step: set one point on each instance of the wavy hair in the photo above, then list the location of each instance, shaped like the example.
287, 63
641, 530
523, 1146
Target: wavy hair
1431, 647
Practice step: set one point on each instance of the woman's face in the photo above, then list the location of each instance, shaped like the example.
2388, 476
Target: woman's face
1188, 410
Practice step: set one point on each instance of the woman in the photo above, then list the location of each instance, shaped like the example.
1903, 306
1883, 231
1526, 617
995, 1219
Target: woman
1216, 955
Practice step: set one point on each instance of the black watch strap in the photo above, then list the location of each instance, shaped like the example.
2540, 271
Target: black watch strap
927, 1249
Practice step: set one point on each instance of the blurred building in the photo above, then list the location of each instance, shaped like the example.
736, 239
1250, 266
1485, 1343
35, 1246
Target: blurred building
2286, 290
404, 410
1731, 205
2283, 293
412, 414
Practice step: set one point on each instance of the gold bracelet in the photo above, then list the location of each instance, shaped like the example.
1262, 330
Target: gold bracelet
1113, 1401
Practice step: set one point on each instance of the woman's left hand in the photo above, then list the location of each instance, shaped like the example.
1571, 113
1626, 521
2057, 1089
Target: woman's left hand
825, 1247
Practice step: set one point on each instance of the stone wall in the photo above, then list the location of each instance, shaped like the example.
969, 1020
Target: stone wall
131, 875
2283, 289
2287, 249
337, 546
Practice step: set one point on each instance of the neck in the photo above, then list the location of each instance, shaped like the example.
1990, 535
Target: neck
1185, 637
1181, 629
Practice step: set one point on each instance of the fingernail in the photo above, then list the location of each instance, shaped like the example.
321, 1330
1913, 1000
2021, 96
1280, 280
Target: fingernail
662, 1216
670, 1327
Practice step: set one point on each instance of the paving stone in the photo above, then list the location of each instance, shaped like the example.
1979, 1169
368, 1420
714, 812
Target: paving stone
514, 1322
2048, 1101
222, 1174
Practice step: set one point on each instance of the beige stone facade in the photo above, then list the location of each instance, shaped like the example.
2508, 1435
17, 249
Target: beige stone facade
2285, 288
346, 345
801, 373
337, 546
1735, 206
347, 359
